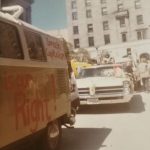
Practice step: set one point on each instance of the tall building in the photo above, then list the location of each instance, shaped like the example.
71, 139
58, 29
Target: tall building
95, 23
26, 4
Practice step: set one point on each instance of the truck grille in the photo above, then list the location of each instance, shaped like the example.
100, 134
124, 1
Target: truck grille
83, 90
105, 90
102, 90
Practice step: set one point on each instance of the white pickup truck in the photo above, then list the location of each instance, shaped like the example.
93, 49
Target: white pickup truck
104, 84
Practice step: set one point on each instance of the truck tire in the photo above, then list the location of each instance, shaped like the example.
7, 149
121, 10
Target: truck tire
53, 136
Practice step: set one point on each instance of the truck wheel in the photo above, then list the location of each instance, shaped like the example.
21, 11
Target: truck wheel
53, 135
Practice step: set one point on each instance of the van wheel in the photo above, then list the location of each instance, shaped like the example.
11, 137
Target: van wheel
53, 135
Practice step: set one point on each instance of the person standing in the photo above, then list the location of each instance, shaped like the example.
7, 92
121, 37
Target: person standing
144, 70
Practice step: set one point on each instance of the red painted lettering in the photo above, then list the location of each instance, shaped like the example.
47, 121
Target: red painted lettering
31, 113
53, 44
30, 108
9, 82
48, 117
20, 111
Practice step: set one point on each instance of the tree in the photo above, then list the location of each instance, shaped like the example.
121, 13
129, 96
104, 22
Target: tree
83, 55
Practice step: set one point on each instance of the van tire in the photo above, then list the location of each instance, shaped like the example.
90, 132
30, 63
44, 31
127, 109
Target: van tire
53, 135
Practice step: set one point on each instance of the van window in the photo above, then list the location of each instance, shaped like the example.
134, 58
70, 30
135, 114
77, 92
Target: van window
35, 46
10, 46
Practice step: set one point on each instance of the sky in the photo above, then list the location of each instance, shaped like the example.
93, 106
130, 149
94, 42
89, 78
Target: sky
49, 14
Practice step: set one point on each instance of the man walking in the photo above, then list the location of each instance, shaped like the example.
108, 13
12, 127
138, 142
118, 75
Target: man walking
144, 71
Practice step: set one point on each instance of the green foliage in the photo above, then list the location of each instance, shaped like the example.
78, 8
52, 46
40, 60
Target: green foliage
82, 55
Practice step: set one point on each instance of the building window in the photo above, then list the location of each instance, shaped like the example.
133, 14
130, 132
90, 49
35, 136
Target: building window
103, 1
104, 10
120, 7
105, 25
90, 28
76, 43
141, 34
139, 19
91, 41
124, 37
75, 30
122, 22
74, 16
10, 45
87, 3
137, 4
73, 4
89, 13
107, 38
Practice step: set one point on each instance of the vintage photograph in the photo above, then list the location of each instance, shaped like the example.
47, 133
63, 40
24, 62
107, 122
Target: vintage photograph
74, 74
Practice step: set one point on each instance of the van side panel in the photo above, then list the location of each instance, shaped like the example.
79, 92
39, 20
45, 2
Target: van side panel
34, 83
30, 97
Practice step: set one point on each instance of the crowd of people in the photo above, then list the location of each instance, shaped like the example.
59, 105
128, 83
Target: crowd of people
139, 72
143, 69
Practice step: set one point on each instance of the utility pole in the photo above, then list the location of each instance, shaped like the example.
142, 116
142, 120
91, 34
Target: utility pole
98, 58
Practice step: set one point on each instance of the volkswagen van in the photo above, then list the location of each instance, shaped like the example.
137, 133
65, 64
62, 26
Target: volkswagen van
34, 86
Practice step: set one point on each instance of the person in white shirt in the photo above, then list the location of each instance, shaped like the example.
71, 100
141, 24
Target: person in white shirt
144, 71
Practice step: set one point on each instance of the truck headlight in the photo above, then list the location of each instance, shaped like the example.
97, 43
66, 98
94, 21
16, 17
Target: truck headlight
126, 87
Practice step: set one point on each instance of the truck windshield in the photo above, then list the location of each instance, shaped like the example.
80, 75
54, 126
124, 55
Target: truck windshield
102, 72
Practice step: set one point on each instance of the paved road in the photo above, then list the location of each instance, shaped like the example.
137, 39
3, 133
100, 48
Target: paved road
111, 127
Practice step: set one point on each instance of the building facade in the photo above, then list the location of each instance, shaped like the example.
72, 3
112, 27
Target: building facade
95, 23
26, 4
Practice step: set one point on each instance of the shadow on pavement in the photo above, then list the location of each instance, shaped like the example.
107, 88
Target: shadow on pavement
136, 105
84, 138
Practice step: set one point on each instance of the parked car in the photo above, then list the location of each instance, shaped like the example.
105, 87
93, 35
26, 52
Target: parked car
104, 84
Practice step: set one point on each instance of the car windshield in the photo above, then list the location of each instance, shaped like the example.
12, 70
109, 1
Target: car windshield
110, 71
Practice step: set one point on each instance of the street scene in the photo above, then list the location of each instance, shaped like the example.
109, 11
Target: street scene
74, 75
111, 127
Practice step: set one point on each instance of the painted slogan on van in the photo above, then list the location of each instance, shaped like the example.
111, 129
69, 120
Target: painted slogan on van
31, 93
55, 49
